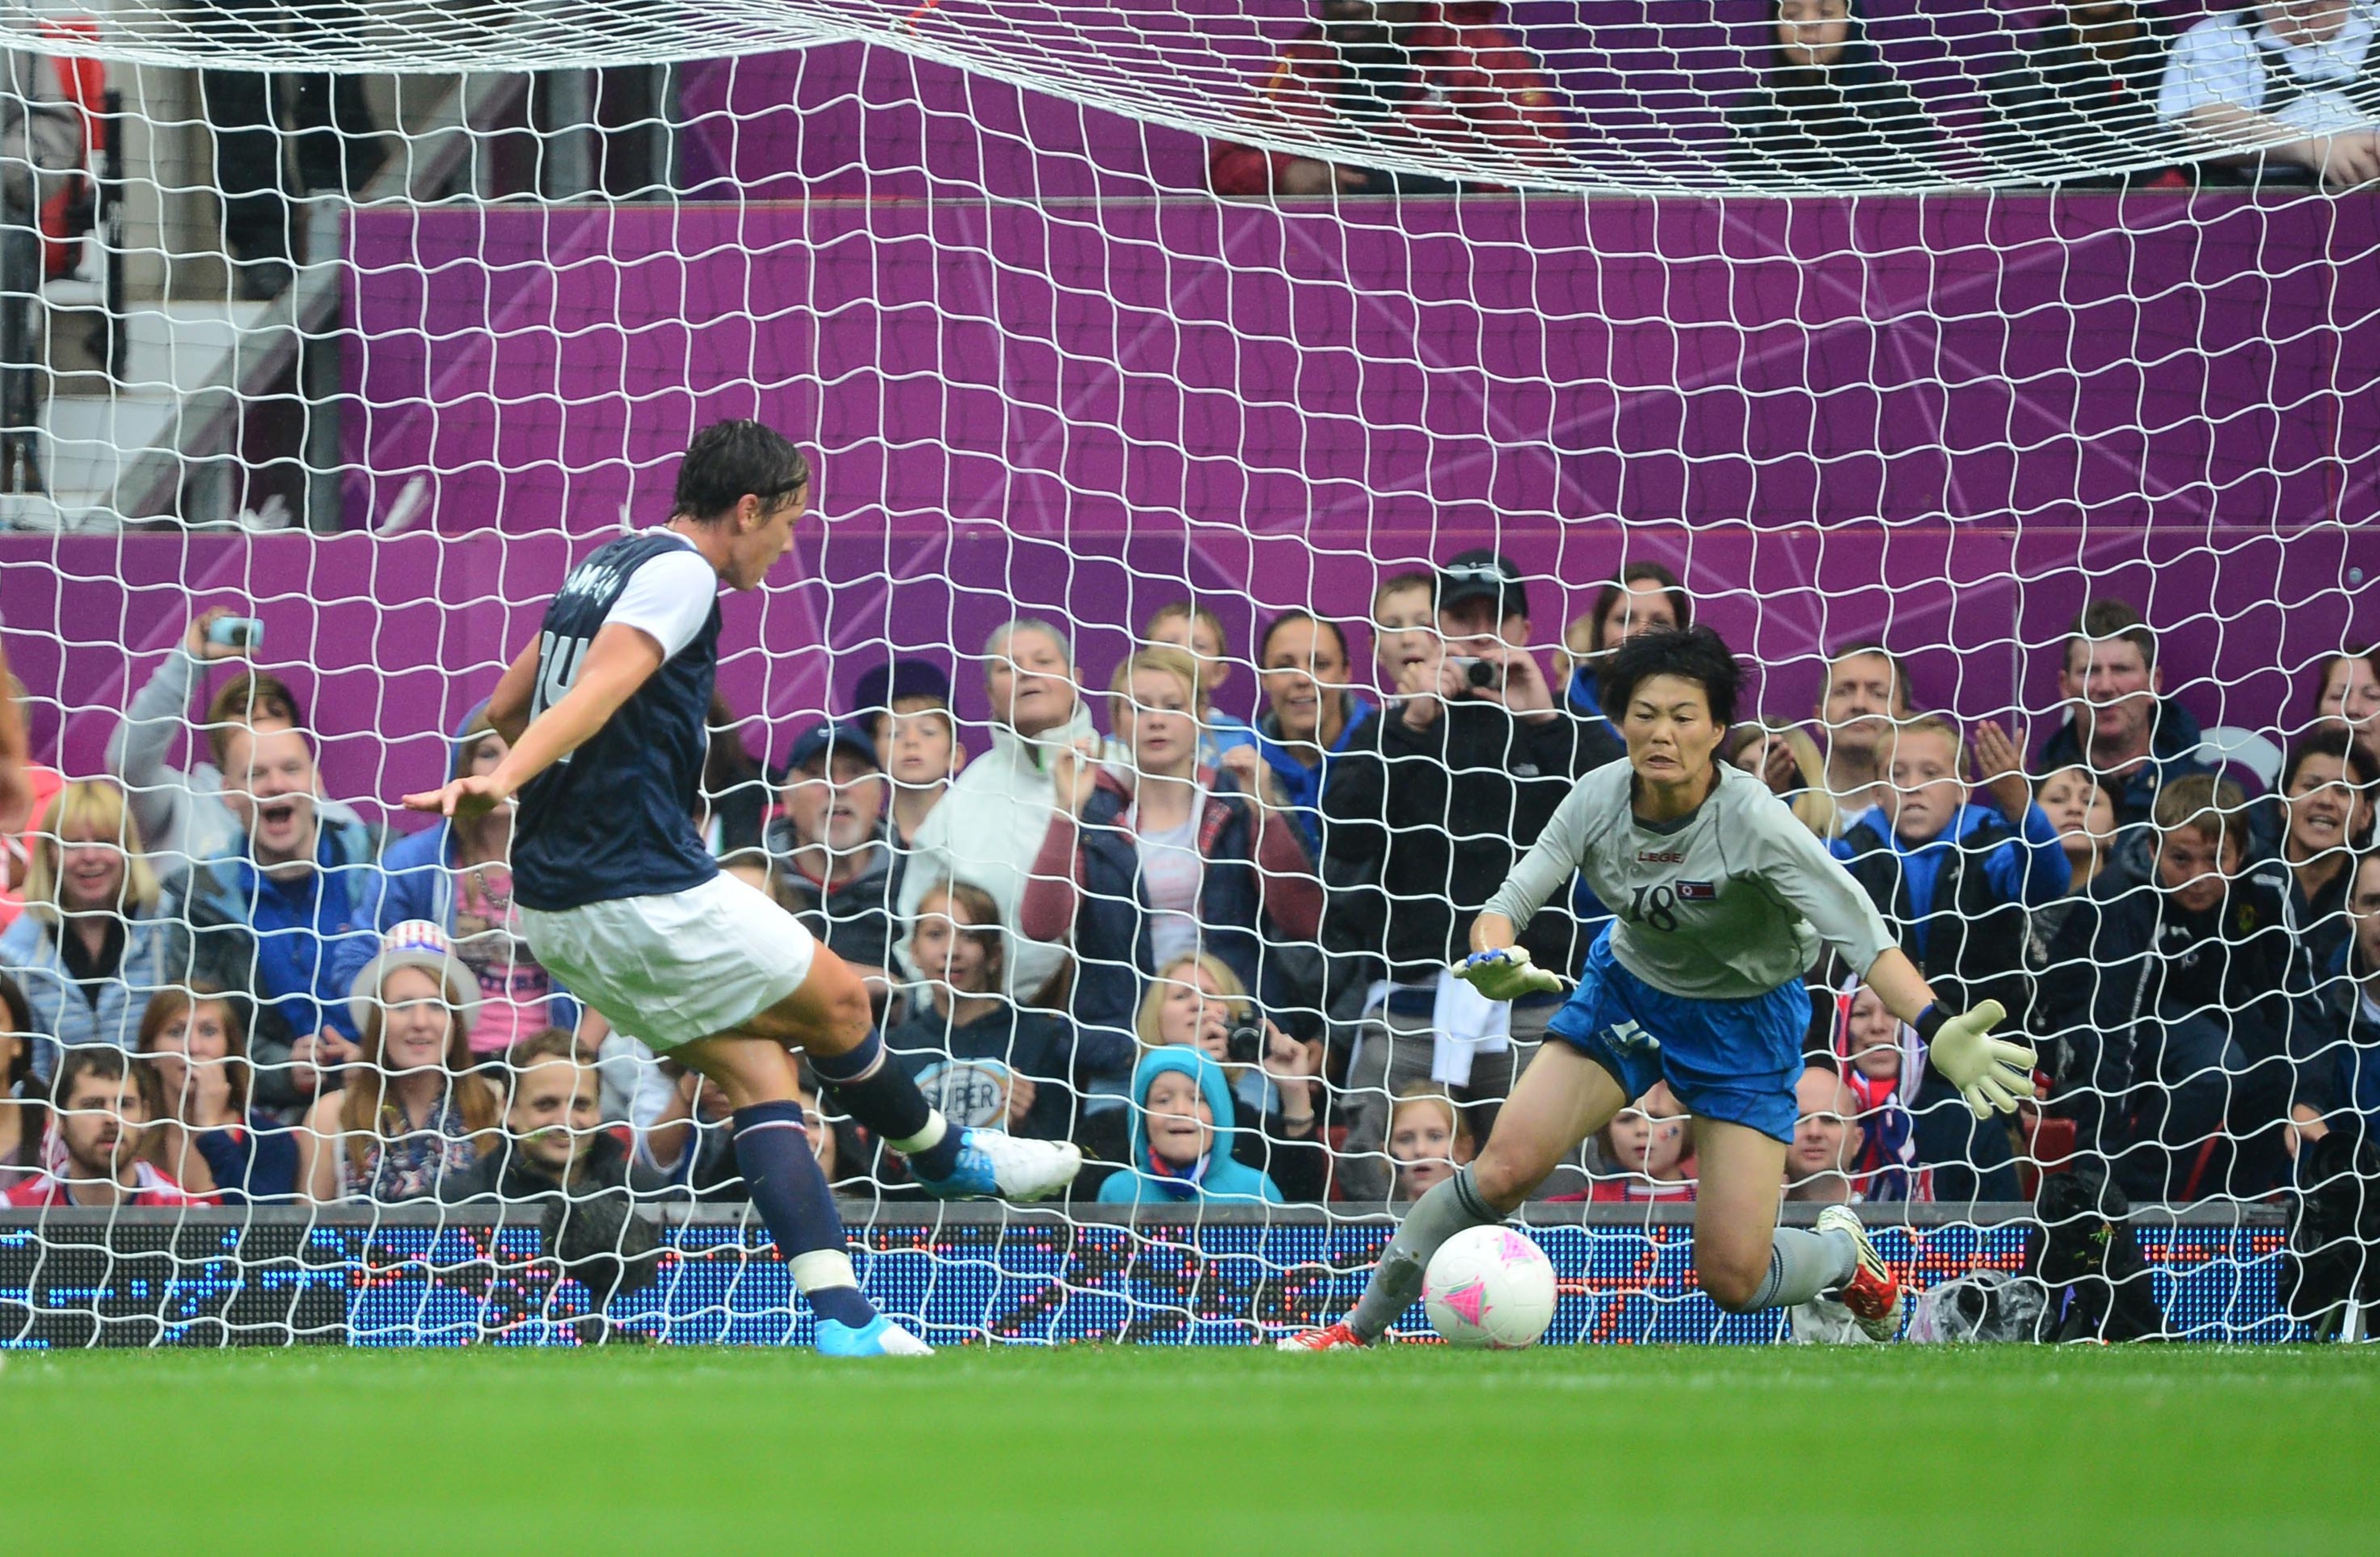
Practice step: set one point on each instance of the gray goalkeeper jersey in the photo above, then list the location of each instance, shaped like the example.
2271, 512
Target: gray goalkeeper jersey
1729, 906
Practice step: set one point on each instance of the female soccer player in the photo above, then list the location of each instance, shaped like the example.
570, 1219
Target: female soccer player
1721, 896
605, 714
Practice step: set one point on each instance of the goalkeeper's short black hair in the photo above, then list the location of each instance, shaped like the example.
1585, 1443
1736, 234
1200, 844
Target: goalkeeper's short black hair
729, 461
1695, 654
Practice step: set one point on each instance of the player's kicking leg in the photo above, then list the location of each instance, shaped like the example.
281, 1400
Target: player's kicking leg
1563, 1098
1748, 1263
773, 1151
828, 1018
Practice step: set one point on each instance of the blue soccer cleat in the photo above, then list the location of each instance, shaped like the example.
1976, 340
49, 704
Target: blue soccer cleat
879, 1338
994, 1166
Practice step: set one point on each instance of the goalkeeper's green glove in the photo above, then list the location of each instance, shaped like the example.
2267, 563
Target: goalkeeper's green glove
1990, 1073
1507, 974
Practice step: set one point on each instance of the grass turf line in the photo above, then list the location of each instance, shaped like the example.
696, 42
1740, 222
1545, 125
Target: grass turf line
1162, 1449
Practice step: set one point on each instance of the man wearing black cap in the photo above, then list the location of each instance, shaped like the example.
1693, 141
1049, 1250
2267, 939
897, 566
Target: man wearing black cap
1423, 824
833, 870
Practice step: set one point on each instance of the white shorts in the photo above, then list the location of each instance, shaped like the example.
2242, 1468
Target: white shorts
680, 965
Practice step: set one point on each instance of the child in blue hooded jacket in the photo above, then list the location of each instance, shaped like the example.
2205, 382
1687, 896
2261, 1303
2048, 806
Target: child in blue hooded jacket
1182, 1124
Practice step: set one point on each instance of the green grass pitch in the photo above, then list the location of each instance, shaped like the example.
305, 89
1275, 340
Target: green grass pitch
1152, 1450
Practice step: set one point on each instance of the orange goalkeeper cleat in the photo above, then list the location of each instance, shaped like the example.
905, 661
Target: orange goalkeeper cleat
1333, 1338
1873, 1295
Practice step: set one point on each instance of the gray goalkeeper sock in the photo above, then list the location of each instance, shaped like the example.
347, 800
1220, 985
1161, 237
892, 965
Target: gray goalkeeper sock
1453, 1205
1802, 1265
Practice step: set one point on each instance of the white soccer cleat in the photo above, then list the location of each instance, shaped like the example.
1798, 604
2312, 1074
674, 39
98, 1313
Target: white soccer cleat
1330, 1338
996, 1165
1873, 1295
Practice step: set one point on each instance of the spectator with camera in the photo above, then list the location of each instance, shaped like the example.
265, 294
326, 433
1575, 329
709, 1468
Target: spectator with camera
834, 867
99, 939
1163, 856
188, 817
981, 1057
104, 1103
2168, 998
208, 1137
1424, 818
411, 1112
991, 825
1955, 881
1197, 1002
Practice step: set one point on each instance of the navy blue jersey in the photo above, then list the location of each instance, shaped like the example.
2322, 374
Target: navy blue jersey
616, 818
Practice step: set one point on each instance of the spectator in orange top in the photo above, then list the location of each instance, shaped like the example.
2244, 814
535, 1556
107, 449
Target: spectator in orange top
1373, 70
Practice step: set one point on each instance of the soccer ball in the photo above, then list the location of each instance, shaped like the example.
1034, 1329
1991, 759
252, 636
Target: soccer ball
1489, 1286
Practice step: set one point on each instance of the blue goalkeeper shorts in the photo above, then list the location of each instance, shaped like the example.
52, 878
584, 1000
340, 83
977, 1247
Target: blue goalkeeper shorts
1730, 1060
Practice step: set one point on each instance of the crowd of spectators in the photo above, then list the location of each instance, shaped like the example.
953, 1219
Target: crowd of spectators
2103, 94
1213, 952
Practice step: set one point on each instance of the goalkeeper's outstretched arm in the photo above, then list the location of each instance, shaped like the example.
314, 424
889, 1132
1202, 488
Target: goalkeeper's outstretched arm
1991, 1074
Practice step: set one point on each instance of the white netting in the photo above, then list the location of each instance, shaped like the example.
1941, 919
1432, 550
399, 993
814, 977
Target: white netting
373, 348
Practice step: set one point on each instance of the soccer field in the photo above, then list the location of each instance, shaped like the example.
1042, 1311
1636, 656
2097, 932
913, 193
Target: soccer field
1136, 1449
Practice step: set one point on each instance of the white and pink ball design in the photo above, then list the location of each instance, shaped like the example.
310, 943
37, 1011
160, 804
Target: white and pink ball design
1490, 1287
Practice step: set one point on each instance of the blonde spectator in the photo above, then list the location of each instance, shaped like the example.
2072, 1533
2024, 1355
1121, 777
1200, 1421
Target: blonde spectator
1428, 1139
98, 938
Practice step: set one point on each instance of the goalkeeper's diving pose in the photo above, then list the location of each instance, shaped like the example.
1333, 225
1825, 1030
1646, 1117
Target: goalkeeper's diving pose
1721, 897
606, 711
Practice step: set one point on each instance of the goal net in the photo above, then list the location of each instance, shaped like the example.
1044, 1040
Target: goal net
2014, 369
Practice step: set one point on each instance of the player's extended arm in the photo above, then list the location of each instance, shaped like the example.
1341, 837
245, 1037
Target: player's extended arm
1991, 1074
621, 659
508, 704
1497, 966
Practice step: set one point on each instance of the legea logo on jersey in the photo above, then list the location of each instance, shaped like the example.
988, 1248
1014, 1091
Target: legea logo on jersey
1660, 857
1697, 892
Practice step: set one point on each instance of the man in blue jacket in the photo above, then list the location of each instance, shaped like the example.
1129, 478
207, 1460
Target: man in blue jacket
1955, 880
285, 915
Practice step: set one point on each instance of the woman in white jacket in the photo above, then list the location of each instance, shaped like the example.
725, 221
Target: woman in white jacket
988, 826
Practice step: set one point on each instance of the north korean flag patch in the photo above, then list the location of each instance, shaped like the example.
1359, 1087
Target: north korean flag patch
1697, 892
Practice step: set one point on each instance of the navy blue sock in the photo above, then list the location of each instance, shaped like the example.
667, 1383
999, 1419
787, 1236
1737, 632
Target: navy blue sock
872, 1087
773, 1152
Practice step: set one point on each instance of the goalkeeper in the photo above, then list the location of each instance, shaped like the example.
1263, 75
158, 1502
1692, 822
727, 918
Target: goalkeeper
1721, 898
